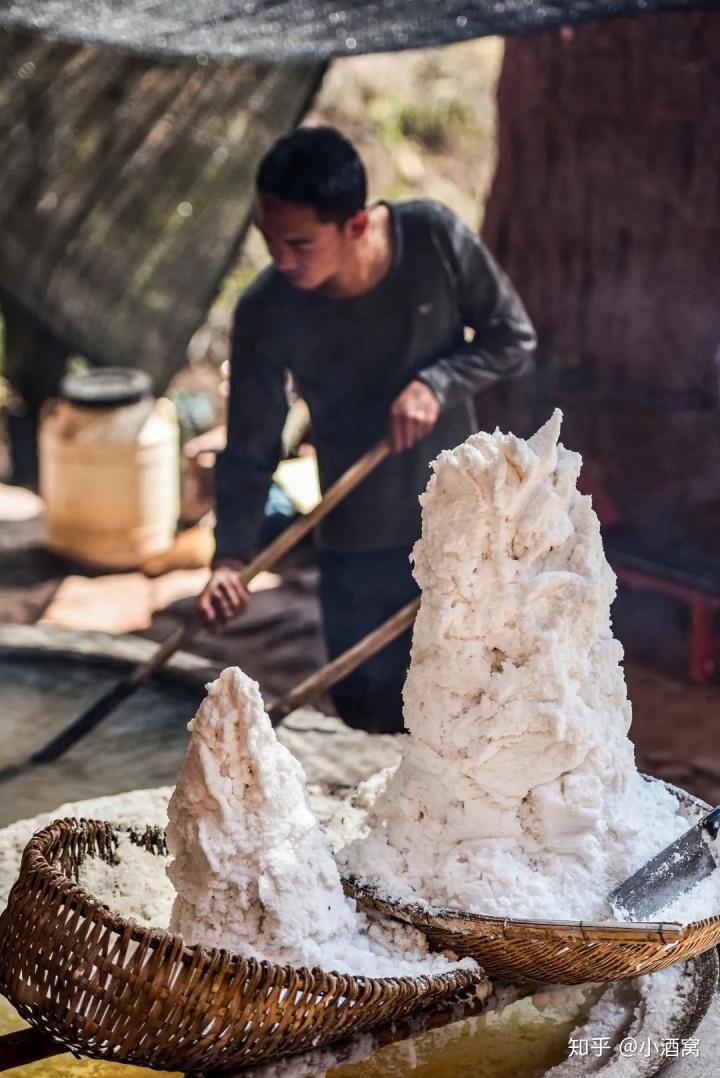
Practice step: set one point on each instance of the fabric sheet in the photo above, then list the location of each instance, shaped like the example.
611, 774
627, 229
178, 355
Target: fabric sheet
308, 30
126, 188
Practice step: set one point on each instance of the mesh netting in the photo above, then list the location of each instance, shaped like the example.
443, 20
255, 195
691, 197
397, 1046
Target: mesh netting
126, 188
308, 30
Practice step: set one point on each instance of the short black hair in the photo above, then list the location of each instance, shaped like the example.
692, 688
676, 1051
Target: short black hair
318, 167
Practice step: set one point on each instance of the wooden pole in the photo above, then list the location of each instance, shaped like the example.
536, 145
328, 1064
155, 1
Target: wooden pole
314, 686
27, 1046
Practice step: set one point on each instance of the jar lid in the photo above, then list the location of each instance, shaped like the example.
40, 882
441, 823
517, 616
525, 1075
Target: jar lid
106, 387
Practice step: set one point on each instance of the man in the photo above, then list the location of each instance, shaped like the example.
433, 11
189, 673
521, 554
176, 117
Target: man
368, 308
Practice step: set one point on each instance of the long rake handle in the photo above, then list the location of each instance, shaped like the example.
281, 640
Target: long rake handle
181, 636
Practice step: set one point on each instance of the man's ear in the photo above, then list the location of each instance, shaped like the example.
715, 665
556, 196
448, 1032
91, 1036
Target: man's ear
356, 226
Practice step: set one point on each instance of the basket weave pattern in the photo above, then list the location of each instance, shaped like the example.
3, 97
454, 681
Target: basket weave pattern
553, 952
112, 989
549, 952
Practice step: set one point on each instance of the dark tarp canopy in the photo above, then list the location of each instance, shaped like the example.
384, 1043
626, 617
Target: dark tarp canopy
126, 187
303, 30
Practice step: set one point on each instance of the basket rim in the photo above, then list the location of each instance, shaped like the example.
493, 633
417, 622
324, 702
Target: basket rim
34, 860
417, 913
431, 915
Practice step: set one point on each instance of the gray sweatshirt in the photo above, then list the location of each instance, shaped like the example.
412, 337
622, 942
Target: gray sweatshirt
350, 359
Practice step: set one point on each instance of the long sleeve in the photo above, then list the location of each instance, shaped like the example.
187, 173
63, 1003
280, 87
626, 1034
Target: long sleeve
257, 408
504, 338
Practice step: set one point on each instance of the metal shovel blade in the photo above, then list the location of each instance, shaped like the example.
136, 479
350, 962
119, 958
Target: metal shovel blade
670, 874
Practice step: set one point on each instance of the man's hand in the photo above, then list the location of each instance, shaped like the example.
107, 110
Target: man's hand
224, 595
413, 415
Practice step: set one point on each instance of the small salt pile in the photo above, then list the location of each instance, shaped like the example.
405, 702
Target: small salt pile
517, 793
251, 868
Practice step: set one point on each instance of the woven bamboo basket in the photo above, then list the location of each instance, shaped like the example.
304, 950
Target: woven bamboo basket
553, 952
109, 988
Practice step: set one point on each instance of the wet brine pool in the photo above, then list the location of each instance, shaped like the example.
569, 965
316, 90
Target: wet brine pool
519, 1042
141, 743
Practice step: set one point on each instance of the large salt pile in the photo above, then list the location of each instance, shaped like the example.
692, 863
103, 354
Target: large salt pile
517, 793
251, 868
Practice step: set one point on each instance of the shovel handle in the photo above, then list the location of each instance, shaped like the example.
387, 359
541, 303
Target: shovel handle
271, 555
310, 690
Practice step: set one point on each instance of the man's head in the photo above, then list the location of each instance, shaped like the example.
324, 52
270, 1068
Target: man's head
311, 188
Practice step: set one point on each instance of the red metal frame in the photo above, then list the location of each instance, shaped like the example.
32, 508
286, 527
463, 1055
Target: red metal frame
704, 643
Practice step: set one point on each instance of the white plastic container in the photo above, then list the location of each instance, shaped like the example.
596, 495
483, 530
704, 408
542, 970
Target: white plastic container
110, 469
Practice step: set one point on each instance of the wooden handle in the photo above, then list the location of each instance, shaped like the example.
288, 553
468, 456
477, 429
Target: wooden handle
27, 1046
271, 555
304, 524
313, 687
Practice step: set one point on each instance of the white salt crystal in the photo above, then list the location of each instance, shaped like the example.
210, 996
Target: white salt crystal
517, 793
252, 871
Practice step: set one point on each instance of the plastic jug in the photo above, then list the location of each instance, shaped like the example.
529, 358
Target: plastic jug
109, 469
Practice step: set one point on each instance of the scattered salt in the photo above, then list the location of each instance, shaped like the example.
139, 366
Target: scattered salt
251, 868
135, 885
517, 793
141, 881
353, 817
619, 1016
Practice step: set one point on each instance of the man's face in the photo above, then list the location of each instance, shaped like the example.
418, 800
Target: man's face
306, 250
